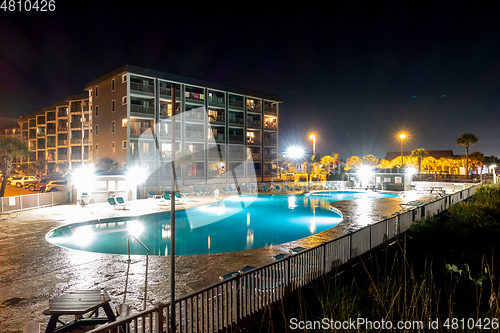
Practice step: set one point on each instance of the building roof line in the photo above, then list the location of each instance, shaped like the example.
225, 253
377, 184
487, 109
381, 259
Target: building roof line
183, 79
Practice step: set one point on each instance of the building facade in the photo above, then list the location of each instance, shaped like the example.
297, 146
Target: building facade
59, 136
220, 126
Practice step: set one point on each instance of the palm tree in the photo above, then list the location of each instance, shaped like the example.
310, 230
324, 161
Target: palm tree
10, 149
184, 158
420, 154
466, 139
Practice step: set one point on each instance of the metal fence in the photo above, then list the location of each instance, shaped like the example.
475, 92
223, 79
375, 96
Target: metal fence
23, 202
239, 300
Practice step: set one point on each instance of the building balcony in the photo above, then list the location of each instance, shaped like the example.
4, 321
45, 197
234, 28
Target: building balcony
270, 110
140, 130
218, 101
62, 158
194, 135
270, 157
253, 123
237, 156
235, 121
168, 92
142, 109
235, 138
270, 126
256, 156
142, 88
79, 141
253, 140
75, 157
62, 142
216, 119
270, 141
235, 104
62, 129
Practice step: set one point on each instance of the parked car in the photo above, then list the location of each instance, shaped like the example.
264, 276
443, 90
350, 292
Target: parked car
12, 176
56, 185
19, 181
38, 185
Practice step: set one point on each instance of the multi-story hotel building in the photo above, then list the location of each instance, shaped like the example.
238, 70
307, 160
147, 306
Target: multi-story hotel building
220, 125
59, 135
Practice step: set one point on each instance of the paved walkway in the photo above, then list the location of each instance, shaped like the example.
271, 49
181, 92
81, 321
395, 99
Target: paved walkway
32, 271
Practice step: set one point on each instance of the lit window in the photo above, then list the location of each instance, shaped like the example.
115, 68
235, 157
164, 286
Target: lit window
113, 149
124, 122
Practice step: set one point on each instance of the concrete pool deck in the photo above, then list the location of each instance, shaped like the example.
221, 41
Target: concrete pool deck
32, 271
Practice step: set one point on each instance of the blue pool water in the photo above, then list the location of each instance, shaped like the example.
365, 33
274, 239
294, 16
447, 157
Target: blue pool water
236, 223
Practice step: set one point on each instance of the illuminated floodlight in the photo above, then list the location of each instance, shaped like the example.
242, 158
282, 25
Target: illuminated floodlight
365, 174
410, 171
83, 177
83, 236
295, 152
137, 174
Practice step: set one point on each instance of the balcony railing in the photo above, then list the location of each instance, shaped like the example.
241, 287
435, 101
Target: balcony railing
235, 103
62, 142
270, 141
271, 110
191, 115
256, 156
142, 109
214, 155
140, 130
147, 88
168, 92
62, 113
271, 126
235, 121
271, 157
216, 100
253, 140
235, 138
216, 119
194, 135
253, 123
62, 129
78, 156
237, 156
79, 141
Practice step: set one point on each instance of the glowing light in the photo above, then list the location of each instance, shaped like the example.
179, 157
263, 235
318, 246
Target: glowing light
135, 228
83, 236
291, 202
410, 171
248, 219
295, 152
402, 136
137, 175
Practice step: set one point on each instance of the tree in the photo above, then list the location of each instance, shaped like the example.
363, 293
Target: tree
106, 164
10, 149
370, 160
327, 160
476, 160
353, 162
184, 158
420, 154
466, 139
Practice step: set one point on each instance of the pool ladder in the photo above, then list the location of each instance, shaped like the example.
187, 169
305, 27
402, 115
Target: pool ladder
128, 269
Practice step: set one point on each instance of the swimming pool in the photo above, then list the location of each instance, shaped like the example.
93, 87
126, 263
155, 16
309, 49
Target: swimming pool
236, 223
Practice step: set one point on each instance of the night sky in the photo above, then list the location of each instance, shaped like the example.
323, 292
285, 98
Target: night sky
355, 76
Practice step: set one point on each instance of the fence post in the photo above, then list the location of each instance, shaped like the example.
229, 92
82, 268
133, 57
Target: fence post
20, 203
159, 318
238, 297
38, 199
323, 247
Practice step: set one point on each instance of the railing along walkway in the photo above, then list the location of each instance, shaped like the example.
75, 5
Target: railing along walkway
237, 301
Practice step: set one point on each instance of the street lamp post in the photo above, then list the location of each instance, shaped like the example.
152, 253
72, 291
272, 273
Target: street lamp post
312, 137
402, 136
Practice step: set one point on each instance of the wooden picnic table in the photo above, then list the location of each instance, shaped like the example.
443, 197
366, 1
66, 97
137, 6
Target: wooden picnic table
79, 303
